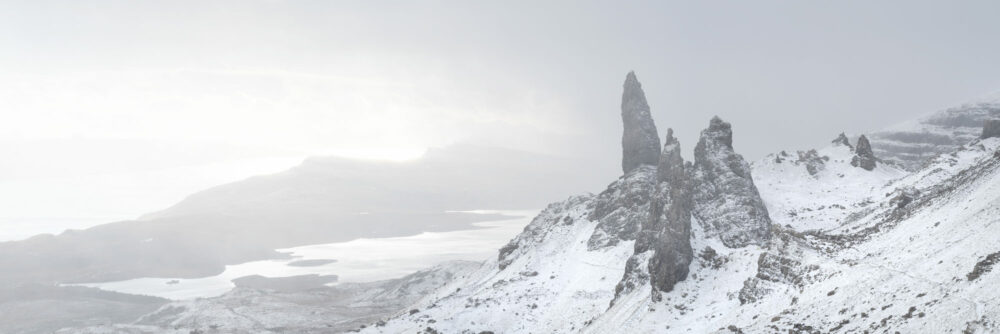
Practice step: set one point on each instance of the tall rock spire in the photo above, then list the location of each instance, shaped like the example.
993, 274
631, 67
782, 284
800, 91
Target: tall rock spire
671, 221
662, 250
640, 142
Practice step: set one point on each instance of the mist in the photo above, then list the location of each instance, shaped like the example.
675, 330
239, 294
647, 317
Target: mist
172, 140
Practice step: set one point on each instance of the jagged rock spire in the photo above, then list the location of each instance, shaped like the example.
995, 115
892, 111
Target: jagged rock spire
671, 220
727, 203
640, 142
662, 251
842, 140
864, 158
991, 128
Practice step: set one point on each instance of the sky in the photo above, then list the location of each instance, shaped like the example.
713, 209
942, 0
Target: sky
162, 98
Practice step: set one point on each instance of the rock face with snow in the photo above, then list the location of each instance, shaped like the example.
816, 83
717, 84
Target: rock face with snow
842, 140
623, 207
991, 129
640, 142
727, 203
662, 251
669, 231
863, 158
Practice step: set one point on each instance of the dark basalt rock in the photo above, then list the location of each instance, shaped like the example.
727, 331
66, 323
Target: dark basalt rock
842, 140
991, 128
813, 161
864, 158
621, 209
726, 201
670, 225
662, 251
640, 142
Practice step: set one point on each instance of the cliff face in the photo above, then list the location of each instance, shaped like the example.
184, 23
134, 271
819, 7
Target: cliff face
640, 143
726, 201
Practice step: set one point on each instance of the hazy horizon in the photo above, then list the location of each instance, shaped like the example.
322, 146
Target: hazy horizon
150, 93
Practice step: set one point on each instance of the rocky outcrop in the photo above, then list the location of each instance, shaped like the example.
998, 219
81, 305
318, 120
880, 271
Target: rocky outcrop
662, 250
726, 201
863, 158
813, 161
775, 268
640, 142
670, 226
621, 209
842, 140
991, 128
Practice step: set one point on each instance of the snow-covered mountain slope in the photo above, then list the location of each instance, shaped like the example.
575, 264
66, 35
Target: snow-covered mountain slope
817, 189
850, 250
890, 267
317, 309
913, 143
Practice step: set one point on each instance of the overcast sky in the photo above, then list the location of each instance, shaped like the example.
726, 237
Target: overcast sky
149, 84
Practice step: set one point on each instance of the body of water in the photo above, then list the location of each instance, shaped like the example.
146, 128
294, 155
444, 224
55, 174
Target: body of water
360, 260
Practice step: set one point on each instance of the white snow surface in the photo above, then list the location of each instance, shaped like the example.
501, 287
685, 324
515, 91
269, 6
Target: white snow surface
858, 261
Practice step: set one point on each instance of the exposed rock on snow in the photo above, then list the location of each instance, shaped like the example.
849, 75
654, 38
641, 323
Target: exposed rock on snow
842, 140
991, 128
864, 158
670, 228
853, 251
662, 251
813, 162
726, 201
640, 142
536, 231
621, 209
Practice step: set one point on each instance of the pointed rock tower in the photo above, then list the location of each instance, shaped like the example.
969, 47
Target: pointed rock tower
842, 140
640, 142
864, 158
727, 203
662, 250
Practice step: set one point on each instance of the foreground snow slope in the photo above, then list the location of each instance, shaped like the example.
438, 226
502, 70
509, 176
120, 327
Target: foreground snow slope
896, 253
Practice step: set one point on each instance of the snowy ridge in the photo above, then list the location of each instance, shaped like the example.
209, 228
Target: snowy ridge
802, 201
912, 144
890, 266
